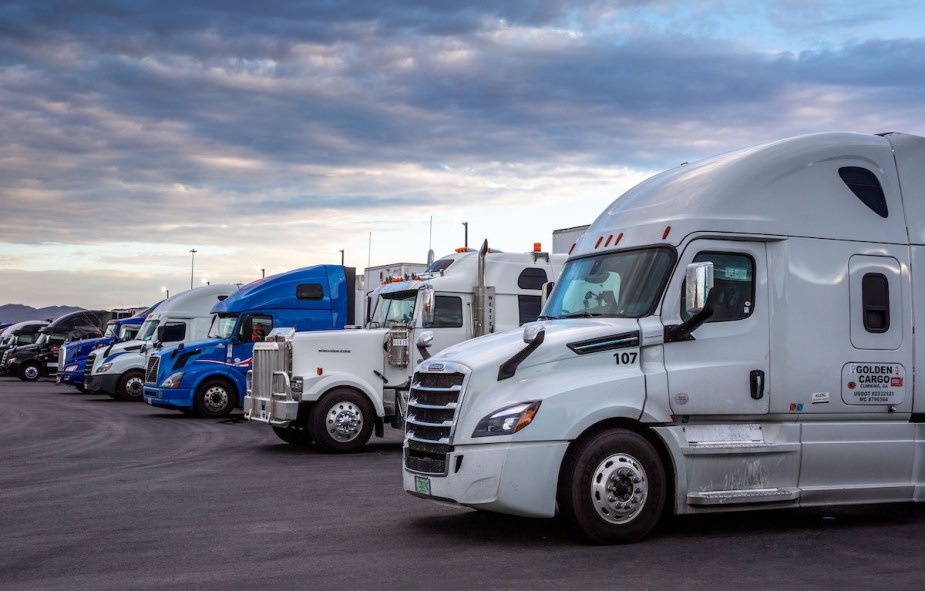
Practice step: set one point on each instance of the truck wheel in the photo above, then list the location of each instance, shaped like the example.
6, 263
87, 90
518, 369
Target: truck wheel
214, 399
342, 421
131, 385
612, 488
80, 388
30, 371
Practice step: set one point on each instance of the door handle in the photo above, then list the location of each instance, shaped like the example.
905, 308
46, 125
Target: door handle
756, 382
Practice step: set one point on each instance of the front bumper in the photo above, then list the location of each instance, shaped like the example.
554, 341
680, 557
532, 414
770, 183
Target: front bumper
513, 478
103, 383
75, 378
169, 397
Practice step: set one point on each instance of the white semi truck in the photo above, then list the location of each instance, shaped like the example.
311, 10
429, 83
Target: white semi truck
337, 388
119, 370
788, 383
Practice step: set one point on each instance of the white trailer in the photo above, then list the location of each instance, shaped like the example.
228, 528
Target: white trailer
789, 383
119, 370
564, 239
336, 388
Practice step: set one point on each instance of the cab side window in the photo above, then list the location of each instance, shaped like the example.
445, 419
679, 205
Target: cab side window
259, 327
447, 312
733, 286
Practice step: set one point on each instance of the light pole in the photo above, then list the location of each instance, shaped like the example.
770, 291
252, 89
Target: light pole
263, 271
466, 235
167, 291
342, 257
192, 266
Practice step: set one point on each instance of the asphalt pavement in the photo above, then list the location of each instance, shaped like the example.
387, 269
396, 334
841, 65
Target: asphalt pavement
102, 494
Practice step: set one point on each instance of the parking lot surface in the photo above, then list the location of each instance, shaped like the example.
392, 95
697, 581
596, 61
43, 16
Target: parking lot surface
101, 494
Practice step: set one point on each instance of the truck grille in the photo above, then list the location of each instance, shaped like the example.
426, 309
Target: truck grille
269, 357
6, 356
432, 404
154, 362
88, 368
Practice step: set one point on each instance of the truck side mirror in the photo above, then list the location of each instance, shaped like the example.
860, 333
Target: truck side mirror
699, 282
424, 341
429, 301
699, 298
545, 291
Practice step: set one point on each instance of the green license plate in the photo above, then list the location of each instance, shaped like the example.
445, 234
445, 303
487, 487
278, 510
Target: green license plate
422, 485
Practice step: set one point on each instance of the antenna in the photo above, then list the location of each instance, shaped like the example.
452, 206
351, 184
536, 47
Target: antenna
369, 257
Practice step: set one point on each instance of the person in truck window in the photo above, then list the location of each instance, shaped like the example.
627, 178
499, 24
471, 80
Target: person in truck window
258, 332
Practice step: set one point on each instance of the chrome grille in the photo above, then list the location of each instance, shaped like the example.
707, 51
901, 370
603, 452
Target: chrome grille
269, 357
88, 368
432, 404
154, 362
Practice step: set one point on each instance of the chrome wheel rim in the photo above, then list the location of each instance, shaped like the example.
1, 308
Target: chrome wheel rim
215, 399
619, 488
31, 372
344, 421
135, 387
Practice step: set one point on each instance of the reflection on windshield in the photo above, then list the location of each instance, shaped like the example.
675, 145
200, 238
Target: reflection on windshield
394, 308
112, 330
128, 332
223, 326
147, 330
622, 285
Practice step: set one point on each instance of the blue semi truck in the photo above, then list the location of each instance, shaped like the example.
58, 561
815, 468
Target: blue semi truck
72, 358
208, 377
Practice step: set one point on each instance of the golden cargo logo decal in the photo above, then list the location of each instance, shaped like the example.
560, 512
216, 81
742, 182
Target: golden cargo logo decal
873, 383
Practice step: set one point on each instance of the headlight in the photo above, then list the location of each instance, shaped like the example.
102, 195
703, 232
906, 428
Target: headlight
105, 367
507, 421
173, 381
71, 368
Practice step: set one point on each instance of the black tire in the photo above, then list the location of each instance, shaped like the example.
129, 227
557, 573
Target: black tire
612, 487
80, 388
131, 386
30, 371
215, 398
342, 421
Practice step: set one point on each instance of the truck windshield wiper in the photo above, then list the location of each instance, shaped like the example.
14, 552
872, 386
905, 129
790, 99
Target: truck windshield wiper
546, 317
582, 314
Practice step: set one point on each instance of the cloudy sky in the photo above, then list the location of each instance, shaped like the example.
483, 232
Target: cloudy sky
277, 133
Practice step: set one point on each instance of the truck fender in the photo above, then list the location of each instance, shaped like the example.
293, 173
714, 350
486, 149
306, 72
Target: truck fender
343, 380
599, 415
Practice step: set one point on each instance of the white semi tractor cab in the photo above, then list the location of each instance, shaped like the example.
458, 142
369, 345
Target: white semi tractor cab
336, 388
734, 334
119, 370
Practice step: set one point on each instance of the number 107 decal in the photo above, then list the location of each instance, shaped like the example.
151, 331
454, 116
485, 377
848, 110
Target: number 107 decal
625, 357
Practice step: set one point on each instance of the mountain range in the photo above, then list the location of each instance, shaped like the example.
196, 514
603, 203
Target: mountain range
12, 313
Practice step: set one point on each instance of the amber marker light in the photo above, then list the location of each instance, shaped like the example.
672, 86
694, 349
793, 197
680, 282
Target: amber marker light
320, 370
598, 242
527, 416
667, 231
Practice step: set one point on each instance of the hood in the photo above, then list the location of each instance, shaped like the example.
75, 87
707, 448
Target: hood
490, 351
80, 349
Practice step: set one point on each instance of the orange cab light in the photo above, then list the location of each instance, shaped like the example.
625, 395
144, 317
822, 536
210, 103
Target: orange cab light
537, 247
619, 238
573, 247
461, 249
320, 371
609, 238
667, 231
598, 242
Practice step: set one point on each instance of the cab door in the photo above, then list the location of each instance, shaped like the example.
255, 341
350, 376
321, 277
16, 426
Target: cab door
723, 369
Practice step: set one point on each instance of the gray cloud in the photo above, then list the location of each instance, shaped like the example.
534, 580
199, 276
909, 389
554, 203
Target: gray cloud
216, 120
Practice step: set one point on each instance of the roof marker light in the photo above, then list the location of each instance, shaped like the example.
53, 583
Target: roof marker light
573, 247
598, 242
537, 247
667, 231
609, 238
619, 238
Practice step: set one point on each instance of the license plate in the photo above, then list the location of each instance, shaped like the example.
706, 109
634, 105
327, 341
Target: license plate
422, 485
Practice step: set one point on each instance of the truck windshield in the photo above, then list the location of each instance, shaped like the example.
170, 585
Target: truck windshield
620, 284
112, 330
223, 326
394, 308
148, 330
128, 332
43, 338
